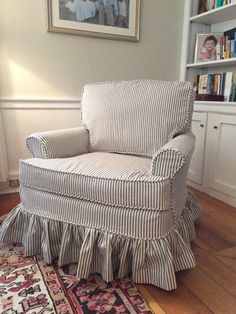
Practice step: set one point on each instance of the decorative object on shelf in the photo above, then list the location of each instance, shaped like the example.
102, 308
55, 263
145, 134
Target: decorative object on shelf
202, 6
117, 20
206, 47
210, 4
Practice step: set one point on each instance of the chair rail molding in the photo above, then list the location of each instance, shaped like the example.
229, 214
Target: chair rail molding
39, 103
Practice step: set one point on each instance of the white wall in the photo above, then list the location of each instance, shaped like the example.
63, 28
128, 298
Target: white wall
38, 65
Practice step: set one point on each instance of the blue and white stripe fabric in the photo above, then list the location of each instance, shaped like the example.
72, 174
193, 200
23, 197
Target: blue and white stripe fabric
136, 117
84, 202
59, 143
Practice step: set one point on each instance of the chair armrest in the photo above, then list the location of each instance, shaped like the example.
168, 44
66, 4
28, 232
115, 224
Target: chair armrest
173, 156
59, 143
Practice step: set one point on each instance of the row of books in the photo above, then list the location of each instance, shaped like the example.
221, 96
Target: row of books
207, 5
220, 3
217, 84
226, 46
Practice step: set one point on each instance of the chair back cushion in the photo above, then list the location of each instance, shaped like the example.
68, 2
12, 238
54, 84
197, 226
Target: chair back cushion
136, 117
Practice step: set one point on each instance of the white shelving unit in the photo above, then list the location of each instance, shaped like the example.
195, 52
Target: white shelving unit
218, 15
213, 166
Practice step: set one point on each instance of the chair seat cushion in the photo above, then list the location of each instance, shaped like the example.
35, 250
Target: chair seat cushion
106, 178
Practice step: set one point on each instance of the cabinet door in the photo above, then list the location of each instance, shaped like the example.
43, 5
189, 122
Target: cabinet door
195, 173
221, 153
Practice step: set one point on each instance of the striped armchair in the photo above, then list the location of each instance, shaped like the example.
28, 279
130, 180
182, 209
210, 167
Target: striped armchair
111, 195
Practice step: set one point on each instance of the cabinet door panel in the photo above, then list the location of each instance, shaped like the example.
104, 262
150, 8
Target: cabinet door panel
221, 153
195, 173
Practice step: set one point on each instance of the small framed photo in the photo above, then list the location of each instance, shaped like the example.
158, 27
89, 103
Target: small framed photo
114, 19
207, 47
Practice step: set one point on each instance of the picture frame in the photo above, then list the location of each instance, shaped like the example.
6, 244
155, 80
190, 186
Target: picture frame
94, 18
207, 47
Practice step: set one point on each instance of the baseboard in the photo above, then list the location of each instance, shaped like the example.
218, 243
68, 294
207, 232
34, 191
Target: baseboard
13, 174
4, 185
9, 190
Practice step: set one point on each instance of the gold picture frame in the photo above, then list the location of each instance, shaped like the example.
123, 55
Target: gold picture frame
93, 18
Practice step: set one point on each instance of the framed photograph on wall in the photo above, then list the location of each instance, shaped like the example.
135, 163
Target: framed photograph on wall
207, 47
114, 19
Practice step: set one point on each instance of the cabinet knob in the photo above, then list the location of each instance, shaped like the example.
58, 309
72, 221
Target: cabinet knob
215, 127
202, 125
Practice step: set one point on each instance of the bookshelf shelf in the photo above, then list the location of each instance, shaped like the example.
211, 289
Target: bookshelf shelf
216, 103
218, 15
216, 63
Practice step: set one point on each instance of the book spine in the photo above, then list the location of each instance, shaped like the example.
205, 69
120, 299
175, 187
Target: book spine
222, 89
200, 85
228, 50
232, 48
225, 46
209, 79
218, 84
219, 3
234, 45
196, 84
204, 84
221, 47
232, 96
228, 83
218, 51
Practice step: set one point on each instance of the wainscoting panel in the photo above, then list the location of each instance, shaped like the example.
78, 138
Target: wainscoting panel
21, 117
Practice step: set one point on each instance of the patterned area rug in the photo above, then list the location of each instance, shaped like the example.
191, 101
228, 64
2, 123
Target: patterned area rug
28, 285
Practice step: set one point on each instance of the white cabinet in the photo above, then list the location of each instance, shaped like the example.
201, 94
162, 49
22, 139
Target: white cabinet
221, 153
197, 162
213, 166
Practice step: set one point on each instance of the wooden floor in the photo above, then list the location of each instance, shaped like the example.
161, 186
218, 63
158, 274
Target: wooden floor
211, 286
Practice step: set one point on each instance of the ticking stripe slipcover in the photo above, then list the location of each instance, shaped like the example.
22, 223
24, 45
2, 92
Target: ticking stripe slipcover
106, 178
84, 202
136, 117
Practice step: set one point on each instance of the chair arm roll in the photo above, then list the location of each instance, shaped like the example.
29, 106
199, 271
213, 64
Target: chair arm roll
59, 143
170, 158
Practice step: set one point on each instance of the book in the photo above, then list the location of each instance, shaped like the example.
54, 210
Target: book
210, 4
219, 3
232, 96
210, 83
234, 48
222, 87
218, 52
228, 82
230, 33
204, 84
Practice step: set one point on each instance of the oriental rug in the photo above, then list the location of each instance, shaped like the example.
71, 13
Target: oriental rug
28, 285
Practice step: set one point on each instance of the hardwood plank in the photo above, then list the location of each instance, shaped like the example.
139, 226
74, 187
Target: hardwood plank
209, 240
8, 202
224, 230
227, 257
216, 270
208, 290
180, 301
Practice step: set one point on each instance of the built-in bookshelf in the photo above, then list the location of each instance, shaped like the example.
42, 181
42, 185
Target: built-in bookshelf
212, 168
218, 20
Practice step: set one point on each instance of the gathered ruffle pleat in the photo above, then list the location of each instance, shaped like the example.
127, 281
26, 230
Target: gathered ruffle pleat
152, 261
